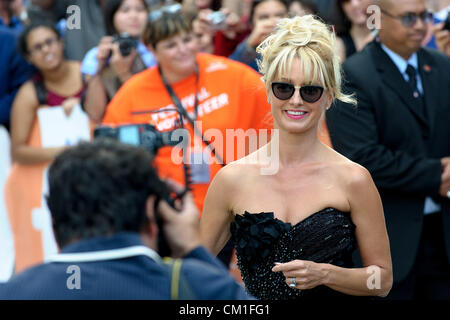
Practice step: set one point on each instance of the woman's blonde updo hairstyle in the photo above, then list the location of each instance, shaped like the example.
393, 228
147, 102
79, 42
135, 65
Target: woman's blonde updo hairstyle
312, 42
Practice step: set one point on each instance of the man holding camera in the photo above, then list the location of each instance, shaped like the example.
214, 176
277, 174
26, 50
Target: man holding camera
103, 197
400, 132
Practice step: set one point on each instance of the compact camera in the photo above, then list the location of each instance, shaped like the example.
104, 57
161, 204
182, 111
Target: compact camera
126, 43
217, 19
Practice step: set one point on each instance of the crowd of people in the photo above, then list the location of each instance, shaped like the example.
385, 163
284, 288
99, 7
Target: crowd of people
352, 95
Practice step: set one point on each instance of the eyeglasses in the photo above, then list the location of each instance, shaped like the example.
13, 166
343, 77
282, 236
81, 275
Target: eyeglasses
38, 47
409, 19
170, 9
284, 91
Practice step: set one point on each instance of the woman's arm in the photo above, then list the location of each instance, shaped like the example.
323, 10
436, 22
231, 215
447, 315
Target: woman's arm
216, 216
375, 278
23, 114
96, 99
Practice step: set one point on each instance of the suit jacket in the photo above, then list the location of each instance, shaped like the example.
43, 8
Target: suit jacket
137, 278
402, 149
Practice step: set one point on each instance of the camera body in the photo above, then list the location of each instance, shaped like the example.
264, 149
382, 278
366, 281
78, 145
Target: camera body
126, 43
217, 19
147, 137
447, 22
143, 135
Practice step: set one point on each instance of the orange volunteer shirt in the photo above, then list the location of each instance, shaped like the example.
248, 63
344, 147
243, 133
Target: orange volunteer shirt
231, 96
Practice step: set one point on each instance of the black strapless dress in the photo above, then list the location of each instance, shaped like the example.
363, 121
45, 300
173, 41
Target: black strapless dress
327, 236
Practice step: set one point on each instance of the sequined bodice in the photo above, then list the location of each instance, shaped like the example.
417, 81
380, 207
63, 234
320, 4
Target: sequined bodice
327, 236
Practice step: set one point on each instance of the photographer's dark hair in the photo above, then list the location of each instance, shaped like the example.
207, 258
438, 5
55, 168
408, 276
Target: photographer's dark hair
22, 46
337, 17
100, 188
255, 4
109, 10
310, 5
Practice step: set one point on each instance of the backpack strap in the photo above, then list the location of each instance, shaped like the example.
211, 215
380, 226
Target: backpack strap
41, 90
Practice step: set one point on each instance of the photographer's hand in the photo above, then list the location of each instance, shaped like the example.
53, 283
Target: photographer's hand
442, 38
120, 64
181, 228
103, 51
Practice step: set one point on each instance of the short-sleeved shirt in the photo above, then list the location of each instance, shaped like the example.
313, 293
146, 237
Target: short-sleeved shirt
90, 63
230, 96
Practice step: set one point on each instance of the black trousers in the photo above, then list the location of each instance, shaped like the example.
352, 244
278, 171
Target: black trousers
429, 278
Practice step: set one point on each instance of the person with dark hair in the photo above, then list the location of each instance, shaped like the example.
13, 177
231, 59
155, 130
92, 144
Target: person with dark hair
349, 18
400, 132
14, 71
302, 7
106, 67
57, 83
264, 16
104, 199
83, 24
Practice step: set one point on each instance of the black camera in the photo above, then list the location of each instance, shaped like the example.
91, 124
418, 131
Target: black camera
144, 135
447, 22
149, 138
126, 43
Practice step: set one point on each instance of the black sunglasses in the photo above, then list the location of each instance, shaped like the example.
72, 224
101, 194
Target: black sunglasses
284, 91
409, 19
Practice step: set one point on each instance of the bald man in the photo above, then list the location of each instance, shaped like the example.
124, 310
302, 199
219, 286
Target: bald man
400, 132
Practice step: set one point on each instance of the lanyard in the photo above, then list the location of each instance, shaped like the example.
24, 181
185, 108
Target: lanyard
183, 112
104, 255
175, 99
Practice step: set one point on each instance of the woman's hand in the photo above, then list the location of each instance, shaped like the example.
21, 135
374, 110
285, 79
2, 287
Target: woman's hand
104, 51
307, 274
261, 30
69, 104
442, 38
120, 64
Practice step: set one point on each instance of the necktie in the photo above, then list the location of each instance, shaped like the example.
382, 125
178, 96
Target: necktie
411, 71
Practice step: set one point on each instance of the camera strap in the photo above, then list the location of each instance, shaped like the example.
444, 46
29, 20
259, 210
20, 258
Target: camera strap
183, 112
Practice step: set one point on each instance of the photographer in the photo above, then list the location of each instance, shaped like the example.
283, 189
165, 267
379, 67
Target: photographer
264, 16
118, 56
102, 197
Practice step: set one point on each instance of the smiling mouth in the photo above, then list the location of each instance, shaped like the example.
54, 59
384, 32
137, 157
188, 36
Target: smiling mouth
296, 115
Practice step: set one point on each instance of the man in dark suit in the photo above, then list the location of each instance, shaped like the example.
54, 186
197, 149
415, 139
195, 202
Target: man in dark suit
400, 131
102, 197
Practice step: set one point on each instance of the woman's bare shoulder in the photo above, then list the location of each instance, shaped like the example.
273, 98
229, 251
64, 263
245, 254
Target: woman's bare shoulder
27, 95
350, 172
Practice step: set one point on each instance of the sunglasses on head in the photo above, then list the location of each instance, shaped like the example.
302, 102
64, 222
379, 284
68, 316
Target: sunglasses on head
409, 19
284, 91
169, 9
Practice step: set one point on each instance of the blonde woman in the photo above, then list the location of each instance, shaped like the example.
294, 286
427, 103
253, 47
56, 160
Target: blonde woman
295, 230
